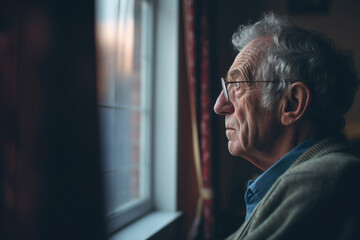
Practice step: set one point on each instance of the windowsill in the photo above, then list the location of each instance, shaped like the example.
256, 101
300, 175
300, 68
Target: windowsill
149, 226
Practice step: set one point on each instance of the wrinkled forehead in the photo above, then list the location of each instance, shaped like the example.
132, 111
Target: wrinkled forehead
248, 58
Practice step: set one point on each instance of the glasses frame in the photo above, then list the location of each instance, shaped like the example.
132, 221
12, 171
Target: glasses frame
224, 84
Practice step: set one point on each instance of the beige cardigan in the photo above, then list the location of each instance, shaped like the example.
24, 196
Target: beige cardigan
318, 197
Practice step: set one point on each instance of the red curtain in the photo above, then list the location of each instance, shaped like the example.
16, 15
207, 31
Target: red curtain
197, 64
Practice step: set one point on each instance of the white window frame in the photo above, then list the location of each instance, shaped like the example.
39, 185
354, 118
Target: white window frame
166, 105
165, 125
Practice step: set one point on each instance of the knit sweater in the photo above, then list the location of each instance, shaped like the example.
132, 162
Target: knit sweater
318, 197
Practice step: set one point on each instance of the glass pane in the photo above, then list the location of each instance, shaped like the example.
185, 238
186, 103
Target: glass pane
128, 136
123, 134
121, 188
107, 137
129, 51
123, 89
135, 183
107, 15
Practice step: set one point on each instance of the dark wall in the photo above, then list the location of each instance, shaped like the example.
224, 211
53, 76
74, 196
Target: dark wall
50, 175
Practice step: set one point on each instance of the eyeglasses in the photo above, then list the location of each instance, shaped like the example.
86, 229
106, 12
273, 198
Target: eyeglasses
224, 84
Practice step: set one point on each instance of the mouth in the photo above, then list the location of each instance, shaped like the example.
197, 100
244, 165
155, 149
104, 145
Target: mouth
229, 131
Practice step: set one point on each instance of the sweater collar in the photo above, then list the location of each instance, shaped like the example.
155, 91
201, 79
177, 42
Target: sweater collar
258, 188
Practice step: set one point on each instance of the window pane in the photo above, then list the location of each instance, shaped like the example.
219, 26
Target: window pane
123, 89
108, 136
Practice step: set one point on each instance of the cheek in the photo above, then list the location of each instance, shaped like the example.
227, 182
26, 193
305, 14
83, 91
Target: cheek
246, 111
247, 117
268, 126
241, 108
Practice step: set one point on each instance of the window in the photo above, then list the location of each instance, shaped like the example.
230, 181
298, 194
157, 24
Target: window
123, 35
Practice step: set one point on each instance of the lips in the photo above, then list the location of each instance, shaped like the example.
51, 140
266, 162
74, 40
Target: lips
230, 123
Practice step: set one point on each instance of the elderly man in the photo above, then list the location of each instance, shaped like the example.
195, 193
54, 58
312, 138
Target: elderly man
283, 99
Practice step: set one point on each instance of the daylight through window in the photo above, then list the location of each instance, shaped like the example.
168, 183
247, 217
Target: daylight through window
124, 104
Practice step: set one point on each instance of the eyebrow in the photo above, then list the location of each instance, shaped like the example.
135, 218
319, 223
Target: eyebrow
233, 74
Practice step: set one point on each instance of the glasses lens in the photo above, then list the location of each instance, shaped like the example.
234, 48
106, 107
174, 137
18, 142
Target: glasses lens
224, 89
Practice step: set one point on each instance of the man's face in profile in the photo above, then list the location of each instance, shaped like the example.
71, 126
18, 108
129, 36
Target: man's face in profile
249, 126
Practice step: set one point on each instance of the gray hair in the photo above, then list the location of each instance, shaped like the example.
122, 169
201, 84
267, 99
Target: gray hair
302, 55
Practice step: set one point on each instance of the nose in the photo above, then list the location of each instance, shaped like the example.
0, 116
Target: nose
222, 107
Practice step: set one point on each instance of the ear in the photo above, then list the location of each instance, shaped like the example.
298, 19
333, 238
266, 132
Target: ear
295, 103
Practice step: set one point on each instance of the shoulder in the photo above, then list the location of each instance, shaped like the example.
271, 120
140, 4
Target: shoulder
326, 171
326, 167
318, 192
329, 157
325, 163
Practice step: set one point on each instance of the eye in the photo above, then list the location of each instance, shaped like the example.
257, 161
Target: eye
237, 85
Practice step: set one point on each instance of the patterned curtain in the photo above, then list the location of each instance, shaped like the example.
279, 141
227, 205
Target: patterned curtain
197, 64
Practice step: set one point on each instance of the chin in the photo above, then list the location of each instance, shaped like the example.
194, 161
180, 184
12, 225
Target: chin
235, 149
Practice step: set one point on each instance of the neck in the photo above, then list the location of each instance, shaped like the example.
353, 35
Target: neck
278, 146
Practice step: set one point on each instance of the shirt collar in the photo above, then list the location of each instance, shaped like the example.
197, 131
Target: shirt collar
263, 183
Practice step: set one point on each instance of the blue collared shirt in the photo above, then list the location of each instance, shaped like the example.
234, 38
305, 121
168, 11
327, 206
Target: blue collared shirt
257, 189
